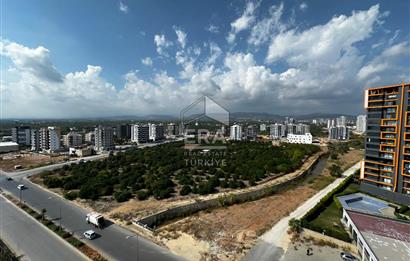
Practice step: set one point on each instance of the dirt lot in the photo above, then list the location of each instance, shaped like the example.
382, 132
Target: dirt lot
228, 233
27, 160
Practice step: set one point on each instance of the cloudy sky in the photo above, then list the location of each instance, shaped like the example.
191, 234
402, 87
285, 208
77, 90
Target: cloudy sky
63, 59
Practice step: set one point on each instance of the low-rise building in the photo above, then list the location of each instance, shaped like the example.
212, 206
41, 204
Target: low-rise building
8, 146
300, 138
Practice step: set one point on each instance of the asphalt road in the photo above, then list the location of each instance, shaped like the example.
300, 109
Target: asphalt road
272, 245
31, 240
114, 242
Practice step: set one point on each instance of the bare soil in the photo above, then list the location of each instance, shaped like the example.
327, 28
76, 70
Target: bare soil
27, 160
230, 232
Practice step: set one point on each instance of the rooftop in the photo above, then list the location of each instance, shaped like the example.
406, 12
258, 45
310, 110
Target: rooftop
366, 204
389, 239
8, 143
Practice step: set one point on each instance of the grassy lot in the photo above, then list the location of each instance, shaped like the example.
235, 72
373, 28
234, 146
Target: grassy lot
329, 219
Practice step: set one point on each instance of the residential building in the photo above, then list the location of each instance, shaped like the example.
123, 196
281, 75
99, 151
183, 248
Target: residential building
90, 137
123, 131
262, 127
171, 129
251, 132
139, 133
7, 138
302, 129
8, 146
35, 140
361, 123
54, 139
341, 121
72, 139
341, 133
378, 237
277, 131
21, 135
236, 132
385, 171
156, 132
291, 128
300, 138
103, 138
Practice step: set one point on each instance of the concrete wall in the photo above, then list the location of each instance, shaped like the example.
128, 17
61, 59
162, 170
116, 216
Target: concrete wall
156, 219
318, 236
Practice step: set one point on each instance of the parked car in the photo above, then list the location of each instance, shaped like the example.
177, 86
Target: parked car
89, 234
21, 187
347, 256
9, 178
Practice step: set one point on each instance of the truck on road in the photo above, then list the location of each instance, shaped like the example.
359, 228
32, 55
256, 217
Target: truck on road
96, 219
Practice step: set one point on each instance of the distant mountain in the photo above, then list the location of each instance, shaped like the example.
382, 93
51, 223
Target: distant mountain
320, 115
254, 116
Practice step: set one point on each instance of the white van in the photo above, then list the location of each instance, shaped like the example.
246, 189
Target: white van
89, 234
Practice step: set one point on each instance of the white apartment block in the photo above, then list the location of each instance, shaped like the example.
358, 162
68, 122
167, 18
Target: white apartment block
341, 121
54, 139
139, 133
300, 138
361, 123
90, 137
156, 132
236, 132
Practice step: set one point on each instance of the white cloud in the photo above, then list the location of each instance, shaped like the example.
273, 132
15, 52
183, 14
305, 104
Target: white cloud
123, 7
243, 22
147, 61
161, 43
181, 36
263, 30
303, 6
213, 29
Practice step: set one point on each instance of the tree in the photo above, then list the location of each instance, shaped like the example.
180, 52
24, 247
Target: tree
335, 170
295, 225
185, 190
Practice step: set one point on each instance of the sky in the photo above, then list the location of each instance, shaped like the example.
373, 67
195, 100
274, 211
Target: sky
91, 58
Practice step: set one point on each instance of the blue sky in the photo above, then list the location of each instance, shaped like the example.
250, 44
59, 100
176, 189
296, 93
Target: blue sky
97, 58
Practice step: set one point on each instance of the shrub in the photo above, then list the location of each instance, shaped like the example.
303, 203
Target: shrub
122, 196
295, 225
335, 170
403, 209
71, 195
142, 194
185, 190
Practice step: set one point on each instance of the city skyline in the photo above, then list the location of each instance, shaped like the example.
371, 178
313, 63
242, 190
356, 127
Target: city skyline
278, 57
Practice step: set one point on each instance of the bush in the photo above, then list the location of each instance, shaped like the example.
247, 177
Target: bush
142, 194
71, 195
185, 190
335, 170
52, 182
403, 209
75, 242
122, 196
295, 225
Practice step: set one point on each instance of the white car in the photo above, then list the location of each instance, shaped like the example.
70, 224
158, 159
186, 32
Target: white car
21, 187
89, 234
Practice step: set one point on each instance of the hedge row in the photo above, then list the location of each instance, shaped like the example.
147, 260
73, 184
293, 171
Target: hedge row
325, 201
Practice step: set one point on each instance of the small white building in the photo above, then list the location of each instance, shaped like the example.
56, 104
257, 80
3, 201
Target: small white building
8, 146
300, 138
236, 132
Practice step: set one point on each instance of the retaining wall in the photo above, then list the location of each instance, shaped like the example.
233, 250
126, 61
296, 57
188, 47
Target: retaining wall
227, 199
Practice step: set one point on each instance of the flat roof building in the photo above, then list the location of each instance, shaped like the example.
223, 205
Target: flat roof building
8, 146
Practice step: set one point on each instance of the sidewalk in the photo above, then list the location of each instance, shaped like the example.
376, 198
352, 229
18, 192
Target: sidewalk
274, 242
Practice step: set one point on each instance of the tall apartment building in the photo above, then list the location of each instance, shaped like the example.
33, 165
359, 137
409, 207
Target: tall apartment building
21, 135
236, 132
54, 139
277, 131
104, 138
251, 132
35, 140
156, 132
341, 121
341, 133
361, 123
72, 139
262, 127
172, 129
385, 170
123, 131
139, 133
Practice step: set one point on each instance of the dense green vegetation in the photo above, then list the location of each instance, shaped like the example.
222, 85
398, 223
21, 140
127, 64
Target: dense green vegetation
317, 130
166, 170
325, 216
